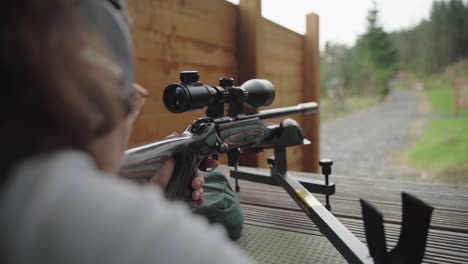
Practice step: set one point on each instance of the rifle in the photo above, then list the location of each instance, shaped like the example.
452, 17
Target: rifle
230, 133
237, 132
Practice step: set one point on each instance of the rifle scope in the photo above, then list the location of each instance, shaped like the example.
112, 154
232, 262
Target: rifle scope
191, 94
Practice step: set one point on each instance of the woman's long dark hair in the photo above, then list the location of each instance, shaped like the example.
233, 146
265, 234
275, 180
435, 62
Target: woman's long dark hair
51, 96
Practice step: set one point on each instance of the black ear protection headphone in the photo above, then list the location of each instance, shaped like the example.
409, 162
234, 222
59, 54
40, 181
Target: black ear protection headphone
109, 19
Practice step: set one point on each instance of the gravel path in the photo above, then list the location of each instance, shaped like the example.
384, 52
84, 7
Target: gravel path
370, 143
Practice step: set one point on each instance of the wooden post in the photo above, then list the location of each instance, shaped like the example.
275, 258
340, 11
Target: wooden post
457, 84
249, 37
311, 92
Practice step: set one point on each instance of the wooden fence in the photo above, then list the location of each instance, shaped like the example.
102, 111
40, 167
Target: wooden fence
220, 39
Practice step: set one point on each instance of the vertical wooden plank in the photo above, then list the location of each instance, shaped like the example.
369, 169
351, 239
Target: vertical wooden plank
311, 90
249, 37
249, 59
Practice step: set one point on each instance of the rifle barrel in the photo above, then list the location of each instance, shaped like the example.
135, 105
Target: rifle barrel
304, 108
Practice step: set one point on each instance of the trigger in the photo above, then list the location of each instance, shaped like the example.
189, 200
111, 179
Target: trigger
202, 165
233, 157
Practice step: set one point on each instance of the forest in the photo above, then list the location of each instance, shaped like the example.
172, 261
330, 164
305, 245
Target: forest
377, 56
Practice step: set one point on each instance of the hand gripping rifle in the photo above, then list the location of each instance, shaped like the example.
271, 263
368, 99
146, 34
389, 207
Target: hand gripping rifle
237, 132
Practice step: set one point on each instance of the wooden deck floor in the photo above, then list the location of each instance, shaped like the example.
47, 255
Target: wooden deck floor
270, 206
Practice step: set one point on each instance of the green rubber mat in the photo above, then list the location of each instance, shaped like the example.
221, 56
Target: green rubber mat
267, 245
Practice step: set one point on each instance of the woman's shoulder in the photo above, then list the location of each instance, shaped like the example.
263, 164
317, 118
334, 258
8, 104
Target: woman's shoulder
62, 198
68, 182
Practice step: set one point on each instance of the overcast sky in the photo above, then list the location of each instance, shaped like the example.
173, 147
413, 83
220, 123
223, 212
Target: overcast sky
341, 21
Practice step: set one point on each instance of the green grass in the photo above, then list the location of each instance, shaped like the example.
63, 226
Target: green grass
443, 147
442, 100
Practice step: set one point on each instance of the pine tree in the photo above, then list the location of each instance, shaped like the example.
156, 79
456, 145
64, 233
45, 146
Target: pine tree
382, 53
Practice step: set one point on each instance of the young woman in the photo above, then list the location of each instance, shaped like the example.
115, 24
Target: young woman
68, 103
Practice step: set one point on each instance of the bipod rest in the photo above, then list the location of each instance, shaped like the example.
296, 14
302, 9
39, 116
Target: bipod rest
413, 236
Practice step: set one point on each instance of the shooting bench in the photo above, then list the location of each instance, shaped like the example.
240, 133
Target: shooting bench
277, 231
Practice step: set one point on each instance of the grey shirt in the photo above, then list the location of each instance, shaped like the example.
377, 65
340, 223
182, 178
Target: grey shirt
60, 209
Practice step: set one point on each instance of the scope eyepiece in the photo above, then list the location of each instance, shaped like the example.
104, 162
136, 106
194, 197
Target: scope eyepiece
191, 94
176, 98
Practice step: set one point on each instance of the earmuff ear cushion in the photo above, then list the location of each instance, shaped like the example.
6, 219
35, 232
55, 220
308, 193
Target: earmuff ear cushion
108, 19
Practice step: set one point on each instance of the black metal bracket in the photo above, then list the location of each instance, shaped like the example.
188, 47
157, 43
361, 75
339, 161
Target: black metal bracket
312, 185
